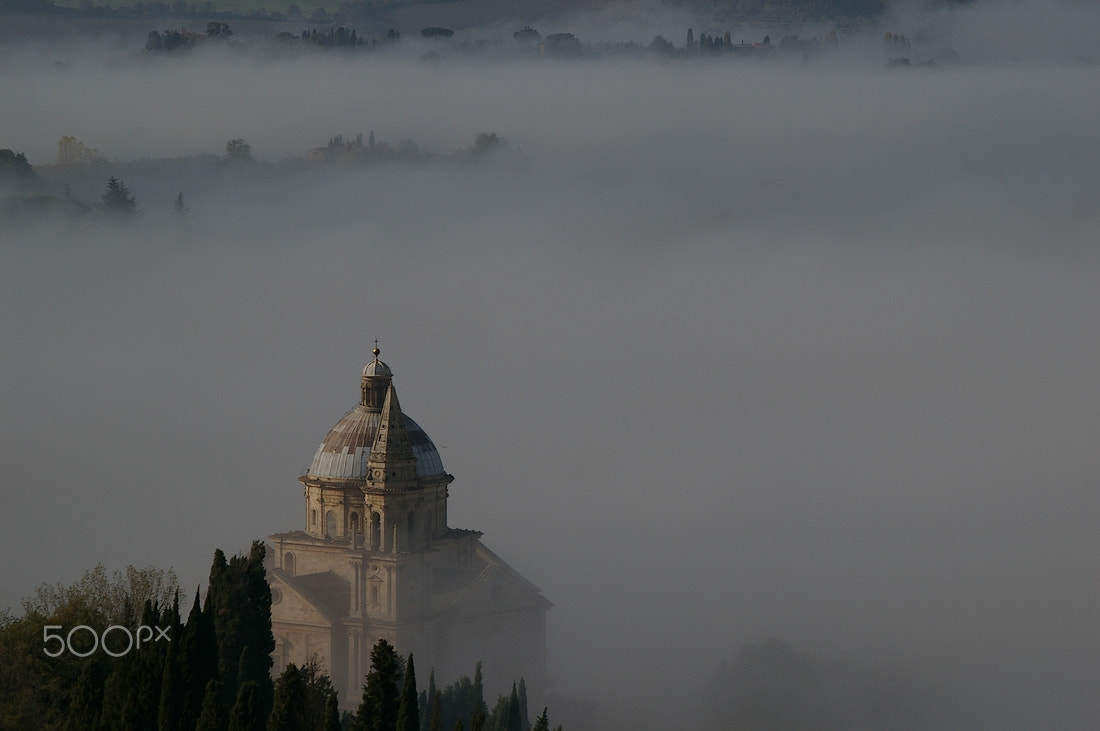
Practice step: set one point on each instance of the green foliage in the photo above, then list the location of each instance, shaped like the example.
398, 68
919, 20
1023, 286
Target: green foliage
111, 597
239, 600
332, 714
408, 712
248, 711
288, 712
506, 714
462, 703
38, 691
379, 706
86, 703
213, 716
170, 686
71, 151
171, 691
198, 663
304, 700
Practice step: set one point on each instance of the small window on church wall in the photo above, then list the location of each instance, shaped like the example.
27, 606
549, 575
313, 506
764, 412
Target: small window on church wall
375, 532
355, 522
288, 563
330, 523
374, 595
314, 518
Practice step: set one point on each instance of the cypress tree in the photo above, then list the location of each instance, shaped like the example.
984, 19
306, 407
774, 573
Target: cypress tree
86, 701
198, 663
479, 689
143, 701
524, 718
171, 692
378, 709
169, 702
477, 722
543, 722
239, 599
513, 720
435, 723
116, 692
431, 721
248, 711
213, 717
258, 622
332, 714
408, 712
288, 711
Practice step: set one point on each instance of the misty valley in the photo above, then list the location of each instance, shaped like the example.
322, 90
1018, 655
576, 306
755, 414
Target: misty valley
759, 337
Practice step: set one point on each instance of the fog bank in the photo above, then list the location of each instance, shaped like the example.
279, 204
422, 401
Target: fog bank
745, 351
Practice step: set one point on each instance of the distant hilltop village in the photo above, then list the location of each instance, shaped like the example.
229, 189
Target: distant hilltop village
377, 559
434, 42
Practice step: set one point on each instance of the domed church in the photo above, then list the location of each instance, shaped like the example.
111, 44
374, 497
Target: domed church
377, 559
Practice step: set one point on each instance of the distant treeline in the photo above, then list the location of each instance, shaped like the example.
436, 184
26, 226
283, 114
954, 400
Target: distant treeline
351, 10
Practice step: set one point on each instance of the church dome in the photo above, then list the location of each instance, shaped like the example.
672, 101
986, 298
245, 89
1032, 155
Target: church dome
345, 451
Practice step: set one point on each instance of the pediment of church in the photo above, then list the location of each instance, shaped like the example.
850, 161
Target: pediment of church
312, 599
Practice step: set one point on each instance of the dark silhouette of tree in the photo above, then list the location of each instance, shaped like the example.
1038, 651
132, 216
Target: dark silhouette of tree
248, 712
117, 198
218, 30
198, 663
288, 712
408, 711
213, 716
660, 44
239, 599
179, 207
561, 44
141, 684
85, 707
171, 689
14, 164
238, 151
319, 695
435, 33
522, 695
428, 705
332, 714
527, 34
379, 707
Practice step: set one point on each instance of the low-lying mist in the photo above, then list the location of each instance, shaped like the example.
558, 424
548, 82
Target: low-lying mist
744, 351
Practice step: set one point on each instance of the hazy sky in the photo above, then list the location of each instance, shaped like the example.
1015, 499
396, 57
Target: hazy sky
747, 351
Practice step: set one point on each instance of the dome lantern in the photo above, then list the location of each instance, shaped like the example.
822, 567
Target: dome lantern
374, 382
